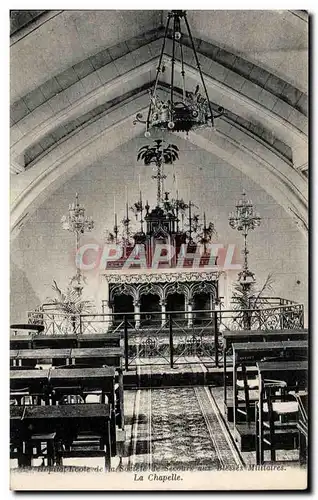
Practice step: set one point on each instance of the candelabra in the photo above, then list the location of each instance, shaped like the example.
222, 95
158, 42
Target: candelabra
182, 110
77, 223
245, 219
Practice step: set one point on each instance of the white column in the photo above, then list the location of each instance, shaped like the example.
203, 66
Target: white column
190, 315
163, 313
137, 314
211, 305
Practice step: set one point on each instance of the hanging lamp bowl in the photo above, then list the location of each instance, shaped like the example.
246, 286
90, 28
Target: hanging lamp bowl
195, 110
183, 118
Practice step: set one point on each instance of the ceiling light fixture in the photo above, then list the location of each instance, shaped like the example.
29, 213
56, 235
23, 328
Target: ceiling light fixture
183, 110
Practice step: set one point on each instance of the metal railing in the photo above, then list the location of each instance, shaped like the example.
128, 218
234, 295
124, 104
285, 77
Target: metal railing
263, 302
172, 337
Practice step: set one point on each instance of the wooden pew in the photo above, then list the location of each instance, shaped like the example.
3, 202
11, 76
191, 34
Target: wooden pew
35, 381
295, 375
41, 341
90, 357
96, 340
248, 353
89, 379
111, 356
254, 336
21, 335
32, 356
302, 426
63, 425
28, 327
47, 383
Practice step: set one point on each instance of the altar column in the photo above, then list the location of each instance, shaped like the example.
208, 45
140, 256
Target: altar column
211, 305
189, 305
137, 314
163, 304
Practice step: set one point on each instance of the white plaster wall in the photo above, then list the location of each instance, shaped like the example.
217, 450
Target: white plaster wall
43, 251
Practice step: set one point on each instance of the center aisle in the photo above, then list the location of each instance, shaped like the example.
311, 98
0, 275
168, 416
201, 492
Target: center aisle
177, 428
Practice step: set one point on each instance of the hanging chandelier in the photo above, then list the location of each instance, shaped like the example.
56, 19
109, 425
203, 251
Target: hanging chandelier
183, 110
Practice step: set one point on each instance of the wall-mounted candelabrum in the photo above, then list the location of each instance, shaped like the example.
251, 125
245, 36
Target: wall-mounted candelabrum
245, 219
77, 223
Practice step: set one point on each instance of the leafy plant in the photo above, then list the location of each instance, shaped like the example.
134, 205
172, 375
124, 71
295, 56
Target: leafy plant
206, 234
251, 297
181, 205
110, 237
158, 154
136, 208
70, 301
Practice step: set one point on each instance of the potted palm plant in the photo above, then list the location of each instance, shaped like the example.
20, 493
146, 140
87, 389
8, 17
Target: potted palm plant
246, 298
70, 303
158, 155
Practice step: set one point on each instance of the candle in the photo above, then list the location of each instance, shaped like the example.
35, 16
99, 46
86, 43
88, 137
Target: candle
114, 204
126, 191
139, 185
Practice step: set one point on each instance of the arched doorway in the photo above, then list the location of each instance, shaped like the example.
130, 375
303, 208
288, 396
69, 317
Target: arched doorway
176, 303
149, 304
123, 304
201, 307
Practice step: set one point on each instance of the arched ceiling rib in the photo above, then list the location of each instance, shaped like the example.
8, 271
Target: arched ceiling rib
83, 149
270, 39
67, 111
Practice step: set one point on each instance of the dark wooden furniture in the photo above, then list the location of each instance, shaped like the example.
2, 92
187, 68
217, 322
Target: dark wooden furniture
27, 326
111, 356
98, 340
32, 356
254, 336
89, 380
247, 354
54, 341
91, 357
302, 426
20, 342
35, 381
41, 341
66, 429
291, 374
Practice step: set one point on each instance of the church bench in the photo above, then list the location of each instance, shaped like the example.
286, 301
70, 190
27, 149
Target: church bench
43, 383
111, 356
245, 354
289, 376
60, 426
90, 380
45, 341
20, 342
96, 340
240, 336
32, 356
302, 426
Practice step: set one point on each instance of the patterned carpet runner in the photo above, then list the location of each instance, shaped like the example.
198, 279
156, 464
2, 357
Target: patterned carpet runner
177, 428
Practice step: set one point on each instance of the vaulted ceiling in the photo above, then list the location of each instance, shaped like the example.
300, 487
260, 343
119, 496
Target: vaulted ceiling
78, 78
